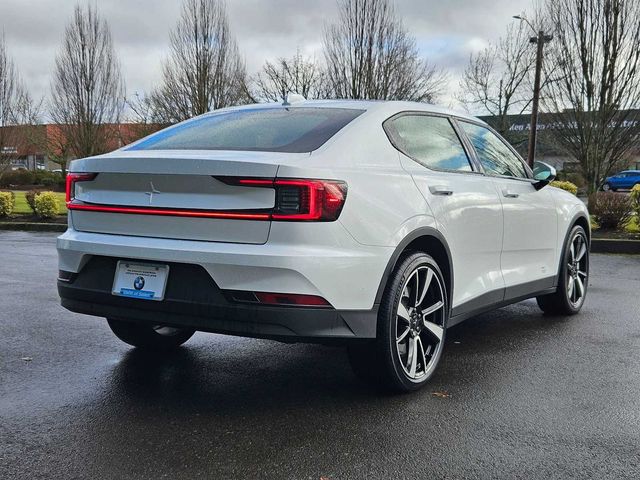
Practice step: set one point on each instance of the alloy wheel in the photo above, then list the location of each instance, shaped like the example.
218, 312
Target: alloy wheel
420, 323
577, 270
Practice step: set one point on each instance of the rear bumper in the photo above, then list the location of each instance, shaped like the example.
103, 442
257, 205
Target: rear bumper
319, 259
192, 299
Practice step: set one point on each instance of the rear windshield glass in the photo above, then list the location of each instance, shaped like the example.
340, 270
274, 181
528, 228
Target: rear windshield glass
291, 130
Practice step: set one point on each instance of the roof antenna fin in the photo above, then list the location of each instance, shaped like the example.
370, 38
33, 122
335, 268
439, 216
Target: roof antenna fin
291, 98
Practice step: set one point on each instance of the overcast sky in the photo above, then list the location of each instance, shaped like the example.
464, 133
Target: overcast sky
446, 31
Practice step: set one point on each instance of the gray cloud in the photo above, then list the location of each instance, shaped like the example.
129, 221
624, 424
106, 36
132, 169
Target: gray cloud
446, 32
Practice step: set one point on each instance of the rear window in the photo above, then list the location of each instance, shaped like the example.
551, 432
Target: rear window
290, 130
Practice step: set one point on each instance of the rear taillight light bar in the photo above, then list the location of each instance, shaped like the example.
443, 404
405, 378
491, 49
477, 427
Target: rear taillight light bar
300, 199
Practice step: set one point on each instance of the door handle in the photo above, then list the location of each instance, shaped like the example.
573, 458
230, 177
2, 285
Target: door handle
440, 190
509, 194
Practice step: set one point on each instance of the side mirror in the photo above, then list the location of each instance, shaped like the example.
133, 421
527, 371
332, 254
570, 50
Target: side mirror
543, 175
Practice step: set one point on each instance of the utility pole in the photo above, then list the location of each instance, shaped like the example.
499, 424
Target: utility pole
540, 39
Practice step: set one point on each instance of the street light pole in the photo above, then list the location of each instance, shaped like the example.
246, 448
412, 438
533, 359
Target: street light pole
540, 39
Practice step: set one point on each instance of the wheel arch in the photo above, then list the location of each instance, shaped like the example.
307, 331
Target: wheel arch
579, 219
583, 221
427, 240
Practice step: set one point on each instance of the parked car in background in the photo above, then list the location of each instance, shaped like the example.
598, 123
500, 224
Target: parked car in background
624, 180
377, 225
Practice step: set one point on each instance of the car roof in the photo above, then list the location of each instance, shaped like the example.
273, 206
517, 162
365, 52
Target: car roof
384, 107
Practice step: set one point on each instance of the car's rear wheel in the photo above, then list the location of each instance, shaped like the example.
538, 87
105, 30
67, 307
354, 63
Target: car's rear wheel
606, 187
411, 327
150, 337
574, 277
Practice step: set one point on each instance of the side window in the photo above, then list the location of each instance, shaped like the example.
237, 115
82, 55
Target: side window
496, 158
429, 140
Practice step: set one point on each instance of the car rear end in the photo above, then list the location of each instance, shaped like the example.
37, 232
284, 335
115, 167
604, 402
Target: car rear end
216, 228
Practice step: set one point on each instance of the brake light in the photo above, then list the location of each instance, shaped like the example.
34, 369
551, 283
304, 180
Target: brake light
72, 179
301, 199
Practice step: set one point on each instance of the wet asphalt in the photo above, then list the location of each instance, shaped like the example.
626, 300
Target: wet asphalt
517, 395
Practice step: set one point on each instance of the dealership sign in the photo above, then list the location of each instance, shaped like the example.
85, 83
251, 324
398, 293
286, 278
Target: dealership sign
522, 127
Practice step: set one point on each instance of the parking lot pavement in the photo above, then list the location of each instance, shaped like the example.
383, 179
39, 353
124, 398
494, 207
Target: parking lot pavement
517, 395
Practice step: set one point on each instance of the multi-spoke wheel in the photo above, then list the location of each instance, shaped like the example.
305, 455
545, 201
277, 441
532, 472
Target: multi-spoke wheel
573, 279
151, 337
411, 327
420, 322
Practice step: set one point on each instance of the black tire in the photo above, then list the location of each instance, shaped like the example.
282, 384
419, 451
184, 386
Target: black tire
606, 187
410, 338
149, 337
561, 302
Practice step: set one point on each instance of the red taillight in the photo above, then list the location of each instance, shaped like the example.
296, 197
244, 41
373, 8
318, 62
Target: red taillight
301, 199
72, 179
295, 200
291, 299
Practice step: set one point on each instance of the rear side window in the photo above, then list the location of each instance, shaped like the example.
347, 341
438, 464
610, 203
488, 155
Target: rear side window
429, 140
496, 158
291, 130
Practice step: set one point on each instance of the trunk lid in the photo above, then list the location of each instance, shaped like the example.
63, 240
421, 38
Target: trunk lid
177, 186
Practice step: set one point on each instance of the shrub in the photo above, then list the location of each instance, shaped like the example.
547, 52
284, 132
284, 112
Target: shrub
577, 179
568, 186
635, 200
48, 179
18, 177
30, 196
612, 210
47, 205
7, 200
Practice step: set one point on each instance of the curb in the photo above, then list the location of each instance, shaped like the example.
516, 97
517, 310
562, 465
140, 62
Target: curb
33, 226
598, 245
606, 245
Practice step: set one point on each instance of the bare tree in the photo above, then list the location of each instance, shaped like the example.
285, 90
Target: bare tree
17, 109
296, 74
496, 80
204, 70
142, 117
370, 55
87, 91
596, 55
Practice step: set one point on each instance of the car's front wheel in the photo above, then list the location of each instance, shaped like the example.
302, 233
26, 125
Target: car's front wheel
574, 277
149, 337
412, 323
606, 187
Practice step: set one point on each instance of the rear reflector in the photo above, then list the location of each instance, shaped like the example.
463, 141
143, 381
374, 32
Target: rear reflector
291, 299
279, 299
67, 277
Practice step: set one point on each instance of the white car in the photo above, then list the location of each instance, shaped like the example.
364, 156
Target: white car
374, 224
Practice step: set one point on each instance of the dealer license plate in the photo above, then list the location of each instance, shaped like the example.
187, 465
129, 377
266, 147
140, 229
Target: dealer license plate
140, 280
